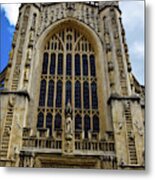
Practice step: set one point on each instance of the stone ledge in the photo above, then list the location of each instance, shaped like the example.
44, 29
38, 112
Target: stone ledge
114, 97
19, 93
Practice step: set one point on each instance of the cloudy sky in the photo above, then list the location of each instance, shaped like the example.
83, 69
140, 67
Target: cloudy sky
133, 20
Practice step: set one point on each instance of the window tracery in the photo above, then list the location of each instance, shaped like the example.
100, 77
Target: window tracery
69, 71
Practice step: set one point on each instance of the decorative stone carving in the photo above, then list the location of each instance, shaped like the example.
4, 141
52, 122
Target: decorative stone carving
110, 66
68, 129
12, 100
139, 128
26, 74
29, 55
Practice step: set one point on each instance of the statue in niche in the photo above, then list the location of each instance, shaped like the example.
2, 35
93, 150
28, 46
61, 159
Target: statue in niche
31, 38
26, 74
68, 123
29, 55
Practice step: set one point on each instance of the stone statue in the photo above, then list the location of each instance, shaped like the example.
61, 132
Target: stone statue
26, 74
31, 38
29, 54
68, 123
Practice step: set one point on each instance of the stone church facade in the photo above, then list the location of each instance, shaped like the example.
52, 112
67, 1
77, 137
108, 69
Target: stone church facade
70, 98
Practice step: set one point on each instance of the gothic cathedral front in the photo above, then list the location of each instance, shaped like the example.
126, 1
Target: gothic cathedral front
70, 98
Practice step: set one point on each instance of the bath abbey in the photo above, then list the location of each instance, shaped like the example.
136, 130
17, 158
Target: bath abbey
68, 96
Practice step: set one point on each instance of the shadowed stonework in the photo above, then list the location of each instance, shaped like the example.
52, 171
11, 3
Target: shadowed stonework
70, 98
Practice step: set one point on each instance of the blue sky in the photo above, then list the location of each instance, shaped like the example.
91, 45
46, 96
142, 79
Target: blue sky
133, 21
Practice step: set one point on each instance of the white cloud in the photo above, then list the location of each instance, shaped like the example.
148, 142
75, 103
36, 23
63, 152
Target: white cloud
138, 49
11, 12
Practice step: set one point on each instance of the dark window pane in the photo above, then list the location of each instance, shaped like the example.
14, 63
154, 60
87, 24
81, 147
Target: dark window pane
57, 124
86, 95
50, 93
77, 65
59, 94
94, 96
86, 125
40, 123
68, 92
77, 94
52, 65
78, 122
60, 64
45, 63
69, 64
42, 93
49, 123
92, 65
95, 123
85, 65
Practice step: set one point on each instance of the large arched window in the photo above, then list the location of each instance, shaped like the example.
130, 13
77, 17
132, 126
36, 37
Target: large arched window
86, 95
68, 61
45, 63
94, 96
77, 94
85, 65
92, 65
49, 123
59, 94
77, 65
69, 64
57, 123
42, 93
50, 93
40, 123
78, 122
95, 123
86, 125
52, 65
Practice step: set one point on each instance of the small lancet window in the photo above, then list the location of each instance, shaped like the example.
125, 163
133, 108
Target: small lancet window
45, 63
78, 122
40, 123
95, 123
77, 65
57, 123
42, 93
49, 123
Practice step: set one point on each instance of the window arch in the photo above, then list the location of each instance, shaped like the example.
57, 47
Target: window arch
59, 94
94, 95
77, 65
69, 64
52, 65
40, 123
85, 65
49, 123
45, 63
57, 123
86, 125
95, 123
92, 65
78, 122
50, 93
42, 93
86, 95
60, 64
77, 94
